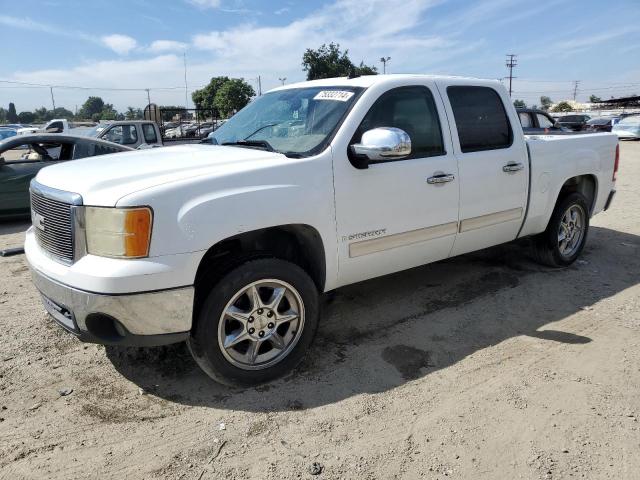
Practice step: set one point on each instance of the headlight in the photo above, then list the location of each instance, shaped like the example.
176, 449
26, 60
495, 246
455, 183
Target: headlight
118, 232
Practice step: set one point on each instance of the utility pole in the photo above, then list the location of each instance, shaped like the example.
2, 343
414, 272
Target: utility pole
148, 97
186, 101
53, 102
575, 89
511, 63
283, 79
259, 86
384, 61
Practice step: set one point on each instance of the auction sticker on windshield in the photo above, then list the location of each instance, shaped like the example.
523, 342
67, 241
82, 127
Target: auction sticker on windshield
339, 95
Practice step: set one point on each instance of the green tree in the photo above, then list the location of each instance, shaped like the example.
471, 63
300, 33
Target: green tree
108, 112
562, 107
205, 98
12, 116
133, 113
519, 104
545, 102
329, 61
363, 69
61, 112
594, 99
232, 96
26, 117
92, 108
3, 115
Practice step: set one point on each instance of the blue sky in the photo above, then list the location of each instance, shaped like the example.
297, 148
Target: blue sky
137, 44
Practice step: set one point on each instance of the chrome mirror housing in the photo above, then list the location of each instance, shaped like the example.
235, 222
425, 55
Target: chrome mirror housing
383, 143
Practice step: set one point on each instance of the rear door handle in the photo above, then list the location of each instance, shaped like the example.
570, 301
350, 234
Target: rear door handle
442, 178
512, 167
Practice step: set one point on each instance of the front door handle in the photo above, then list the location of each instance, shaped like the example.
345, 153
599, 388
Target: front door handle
512, 167
442, 178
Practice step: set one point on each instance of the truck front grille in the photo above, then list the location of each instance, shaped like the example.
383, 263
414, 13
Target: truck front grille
53, 226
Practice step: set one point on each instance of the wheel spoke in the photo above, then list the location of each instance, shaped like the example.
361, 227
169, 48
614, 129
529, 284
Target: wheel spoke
254, 297
235, 339
252, 351
237, 314
286, 317
276, 298
277, 341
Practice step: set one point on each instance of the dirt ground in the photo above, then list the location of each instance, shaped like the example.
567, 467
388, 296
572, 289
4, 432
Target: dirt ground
486, 366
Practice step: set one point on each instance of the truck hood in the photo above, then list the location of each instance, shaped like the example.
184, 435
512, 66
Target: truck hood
104, 179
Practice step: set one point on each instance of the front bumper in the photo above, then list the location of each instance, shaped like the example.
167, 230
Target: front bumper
141, 319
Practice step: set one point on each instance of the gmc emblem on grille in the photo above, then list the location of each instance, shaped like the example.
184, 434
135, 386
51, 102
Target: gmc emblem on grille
38, 221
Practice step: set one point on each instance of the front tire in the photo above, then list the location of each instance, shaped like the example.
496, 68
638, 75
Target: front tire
563, 240
257, 323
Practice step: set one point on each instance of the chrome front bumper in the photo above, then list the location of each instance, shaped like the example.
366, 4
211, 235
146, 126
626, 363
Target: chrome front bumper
143, 319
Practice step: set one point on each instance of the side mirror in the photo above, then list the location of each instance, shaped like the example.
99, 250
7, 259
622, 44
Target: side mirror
557, 125
383, 143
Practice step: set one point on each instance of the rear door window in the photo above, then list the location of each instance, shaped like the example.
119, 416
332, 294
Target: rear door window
481, 118
149, 133
543, 121
525, 120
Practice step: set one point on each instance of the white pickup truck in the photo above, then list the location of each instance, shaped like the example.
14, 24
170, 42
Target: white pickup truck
310, 187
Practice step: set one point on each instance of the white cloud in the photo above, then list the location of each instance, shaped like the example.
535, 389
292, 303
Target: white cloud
205, 3
160, 46
25, 23
121, 44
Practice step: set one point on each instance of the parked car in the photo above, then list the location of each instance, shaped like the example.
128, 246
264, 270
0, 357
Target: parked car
7, 132
310, 187
628, 128
22, 157
574, 122
536, 122
600, 124
132, 133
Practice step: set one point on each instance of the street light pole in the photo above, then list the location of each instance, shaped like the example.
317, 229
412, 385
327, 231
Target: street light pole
384, 61
283, 79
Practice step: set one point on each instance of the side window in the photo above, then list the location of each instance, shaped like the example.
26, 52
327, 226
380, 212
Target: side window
481, 119
55, 127
525, 120
149, 133
413, 110
122, 134
543, 121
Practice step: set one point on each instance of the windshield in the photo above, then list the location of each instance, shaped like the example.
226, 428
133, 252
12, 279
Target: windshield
95, 131
296, 122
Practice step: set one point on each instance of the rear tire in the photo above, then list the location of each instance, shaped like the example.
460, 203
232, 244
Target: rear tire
257, 323
563, 240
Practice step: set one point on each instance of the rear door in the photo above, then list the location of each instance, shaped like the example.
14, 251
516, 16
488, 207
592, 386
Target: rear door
492, 163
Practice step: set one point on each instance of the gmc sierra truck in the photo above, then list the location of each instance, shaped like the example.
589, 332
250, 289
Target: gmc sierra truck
310, 187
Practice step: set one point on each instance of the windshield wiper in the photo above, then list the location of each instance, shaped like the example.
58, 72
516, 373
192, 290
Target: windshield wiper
261, 128
252, 144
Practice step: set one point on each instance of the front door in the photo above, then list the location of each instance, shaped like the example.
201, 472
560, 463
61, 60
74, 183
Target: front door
402, 213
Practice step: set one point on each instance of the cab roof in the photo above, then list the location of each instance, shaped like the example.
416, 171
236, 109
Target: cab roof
366, 81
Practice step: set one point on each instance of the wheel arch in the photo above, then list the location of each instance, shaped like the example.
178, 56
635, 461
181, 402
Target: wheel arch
300, 244
586, 184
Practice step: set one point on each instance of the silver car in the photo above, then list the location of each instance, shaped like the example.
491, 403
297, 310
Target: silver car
628, 127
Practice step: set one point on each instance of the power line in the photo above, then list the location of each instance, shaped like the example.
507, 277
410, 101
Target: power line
511, 63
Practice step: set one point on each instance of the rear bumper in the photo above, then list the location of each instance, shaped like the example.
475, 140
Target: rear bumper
612, 194
140, 319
